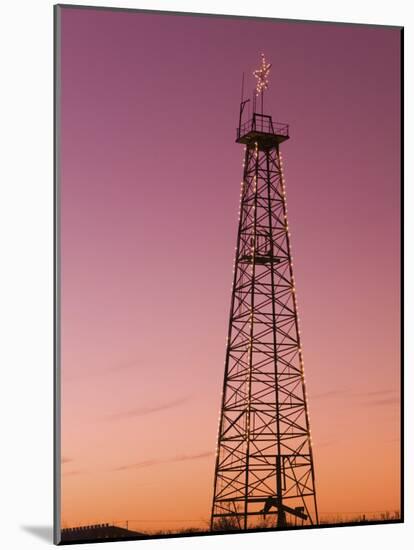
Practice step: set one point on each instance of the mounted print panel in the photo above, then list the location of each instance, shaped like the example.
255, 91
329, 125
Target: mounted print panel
228, 203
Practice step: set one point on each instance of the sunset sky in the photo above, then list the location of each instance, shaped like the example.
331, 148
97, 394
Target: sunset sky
150, 179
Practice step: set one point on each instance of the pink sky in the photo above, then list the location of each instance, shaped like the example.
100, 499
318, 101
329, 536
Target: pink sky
150, 179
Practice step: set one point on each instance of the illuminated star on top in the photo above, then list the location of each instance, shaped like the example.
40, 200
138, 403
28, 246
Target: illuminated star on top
262, 76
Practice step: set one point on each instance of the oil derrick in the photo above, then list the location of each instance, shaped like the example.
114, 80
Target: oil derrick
264, 463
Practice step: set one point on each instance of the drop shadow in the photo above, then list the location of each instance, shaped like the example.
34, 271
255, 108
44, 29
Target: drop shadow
44, 532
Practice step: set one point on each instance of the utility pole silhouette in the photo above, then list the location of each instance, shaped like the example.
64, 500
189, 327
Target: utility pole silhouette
264, 463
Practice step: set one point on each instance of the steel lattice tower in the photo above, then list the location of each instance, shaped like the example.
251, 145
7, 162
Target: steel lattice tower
264, 462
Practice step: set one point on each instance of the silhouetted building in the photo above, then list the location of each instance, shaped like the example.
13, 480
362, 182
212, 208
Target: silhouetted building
96, 532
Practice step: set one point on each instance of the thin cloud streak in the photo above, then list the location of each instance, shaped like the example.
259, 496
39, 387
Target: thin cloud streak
105, 370
381, 402
376, 393
330, 393
153, 462
73, 473
143, 411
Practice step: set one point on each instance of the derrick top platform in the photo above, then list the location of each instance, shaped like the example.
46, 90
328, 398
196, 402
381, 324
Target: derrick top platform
261, 129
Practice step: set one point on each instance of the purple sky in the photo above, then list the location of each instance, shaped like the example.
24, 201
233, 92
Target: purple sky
150, 187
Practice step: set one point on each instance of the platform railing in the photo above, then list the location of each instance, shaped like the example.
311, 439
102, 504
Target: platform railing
263, 124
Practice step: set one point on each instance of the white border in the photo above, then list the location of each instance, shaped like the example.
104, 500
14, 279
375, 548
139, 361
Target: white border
26, 267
